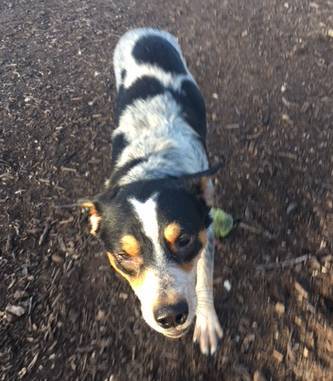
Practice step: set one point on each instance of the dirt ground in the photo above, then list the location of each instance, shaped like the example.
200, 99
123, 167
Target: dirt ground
266, 70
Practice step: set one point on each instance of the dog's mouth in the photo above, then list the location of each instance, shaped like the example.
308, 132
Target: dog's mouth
176, 334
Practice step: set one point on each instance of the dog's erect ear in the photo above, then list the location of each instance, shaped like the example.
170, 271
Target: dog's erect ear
93, 211
201, 184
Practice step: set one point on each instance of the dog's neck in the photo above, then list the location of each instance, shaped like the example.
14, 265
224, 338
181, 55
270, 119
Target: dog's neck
168, 159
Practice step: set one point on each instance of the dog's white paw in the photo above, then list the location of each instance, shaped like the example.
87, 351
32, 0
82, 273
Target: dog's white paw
207, 331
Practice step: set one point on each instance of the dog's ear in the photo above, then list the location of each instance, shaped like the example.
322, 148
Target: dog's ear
201, 183
93, 211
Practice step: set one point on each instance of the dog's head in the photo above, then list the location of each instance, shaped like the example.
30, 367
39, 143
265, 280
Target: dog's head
153, 232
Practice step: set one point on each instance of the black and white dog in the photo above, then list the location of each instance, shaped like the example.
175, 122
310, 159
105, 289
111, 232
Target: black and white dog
154, 216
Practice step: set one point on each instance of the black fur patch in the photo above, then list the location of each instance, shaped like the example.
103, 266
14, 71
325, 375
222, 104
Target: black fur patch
156, 50
122, 171
142, 88
181, 206
189, 98
119, 143
193, 107
123, 74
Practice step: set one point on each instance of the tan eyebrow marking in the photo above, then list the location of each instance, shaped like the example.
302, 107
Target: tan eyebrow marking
172, 232
130, 245
90, 206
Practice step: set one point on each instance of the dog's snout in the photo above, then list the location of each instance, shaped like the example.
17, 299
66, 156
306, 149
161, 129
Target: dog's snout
171, 316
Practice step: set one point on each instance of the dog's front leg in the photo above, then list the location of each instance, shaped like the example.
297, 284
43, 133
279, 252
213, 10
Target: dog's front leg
207, 331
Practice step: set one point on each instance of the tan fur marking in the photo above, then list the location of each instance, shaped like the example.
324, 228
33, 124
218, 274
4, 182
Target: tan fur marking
172, 232
203, 237
169, 298
134, 281
130, 245
188, 266
112, 262
94, 218
90, 206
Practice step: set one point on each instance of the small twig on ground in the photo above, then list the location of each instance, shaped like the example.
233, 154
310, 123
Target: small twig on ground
67, 169
283, 264
30, 306
9, 242
287, 155
256, 230
45, 233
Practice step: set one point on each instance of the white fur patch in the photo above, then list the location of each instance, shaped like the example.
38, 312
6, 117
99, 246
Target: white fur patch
94, 223
147, 214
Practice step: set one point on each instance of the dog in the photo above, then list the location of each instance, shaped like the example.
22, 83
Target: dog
154, 218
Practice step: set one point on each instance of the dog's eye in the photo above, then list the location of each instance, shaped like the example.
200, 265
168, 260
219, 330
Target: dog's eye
121, 254
128, 264
119, 257
181, 244
183, 241
184, 245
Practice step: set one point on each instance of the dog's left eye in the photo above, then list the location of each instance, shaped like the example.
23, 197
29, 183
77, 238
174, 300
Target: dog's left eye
183, 241
184, 245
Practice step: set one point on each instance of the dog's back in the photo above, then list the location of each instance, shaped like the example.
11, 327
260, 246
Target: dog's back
160, 115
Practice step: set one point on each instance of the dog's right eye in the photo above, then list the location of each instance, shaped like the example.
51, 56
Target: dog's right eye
123, 257
128, 264
122, 254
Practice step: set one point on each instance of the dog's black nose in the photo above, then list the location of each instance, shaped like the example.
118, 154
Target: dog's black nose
172, 315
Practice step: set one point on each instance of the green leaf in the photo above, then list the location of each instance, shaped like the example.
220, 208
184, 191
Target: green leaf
222, 222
